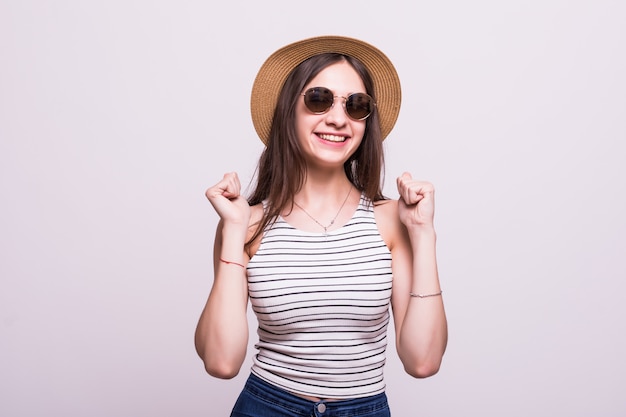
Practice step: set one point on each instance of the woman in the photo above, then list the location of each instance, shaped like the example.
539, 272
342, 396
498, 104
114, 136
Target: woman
317, 249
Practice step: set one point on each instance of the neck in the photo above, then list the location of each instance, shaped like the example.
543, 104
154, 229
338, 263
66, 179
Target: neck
320, 193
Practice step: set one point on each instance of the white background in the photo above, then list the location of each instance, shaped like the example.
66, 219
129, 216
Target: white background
115, 116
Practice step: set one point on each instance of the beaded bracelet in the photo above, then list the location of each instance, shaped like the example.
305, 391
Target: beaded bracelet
412, 294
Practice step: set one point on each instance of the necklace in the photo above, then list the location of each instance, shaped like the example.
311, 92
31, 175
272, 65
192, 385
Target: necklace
334, 218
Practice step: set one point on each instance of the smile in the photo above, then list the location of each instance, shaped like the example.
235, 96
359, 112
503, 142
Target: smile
332, 138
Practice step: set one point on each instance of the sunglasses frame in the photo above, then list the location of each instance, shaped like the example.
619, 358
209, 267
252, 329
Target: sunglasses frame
345, 101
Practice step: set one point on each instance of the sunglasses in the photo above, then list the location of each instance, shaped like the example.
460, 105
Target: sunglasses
358, 106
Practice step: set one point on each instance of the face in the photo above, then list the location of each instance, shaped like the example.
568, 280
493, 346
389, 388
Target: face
330, 138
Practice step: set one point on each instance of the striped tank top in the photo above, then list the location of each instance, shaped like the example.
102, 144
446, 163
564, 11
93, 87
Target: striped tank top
322, 305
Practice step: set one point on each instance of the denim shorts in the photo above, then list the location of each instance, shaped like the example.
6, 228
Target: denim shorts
261, 399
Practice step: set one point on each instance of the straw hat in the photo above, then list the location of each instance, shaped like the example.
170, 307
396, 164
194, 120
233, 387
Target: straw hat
273, 73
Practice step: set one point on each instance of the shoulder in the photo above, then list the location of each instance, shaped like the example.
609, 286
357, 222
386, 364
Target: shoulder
256, 217
388, 221
384, 206
256, 214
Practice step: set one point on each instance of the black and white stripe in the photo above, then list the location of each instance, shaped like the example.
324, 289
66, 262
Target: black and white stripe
322, 302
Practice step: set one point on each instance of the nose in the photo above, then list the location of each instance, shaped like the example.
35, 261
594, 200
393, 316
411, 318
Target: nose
337, 116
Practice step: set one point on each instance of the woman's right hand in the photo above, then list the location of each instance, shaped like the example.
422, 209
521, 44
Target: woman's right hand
222, 333
226, 199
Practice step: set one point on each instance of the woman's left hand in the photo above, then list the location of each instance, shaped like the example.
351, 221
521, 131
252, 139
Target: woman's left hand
416, 205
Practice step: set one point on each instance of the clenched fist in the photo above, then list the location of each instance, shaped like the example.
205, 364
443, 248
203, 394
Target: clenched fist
416, 205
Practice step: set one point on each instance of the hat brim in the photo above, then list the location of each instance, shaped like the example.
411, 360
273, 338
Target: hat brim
273, 73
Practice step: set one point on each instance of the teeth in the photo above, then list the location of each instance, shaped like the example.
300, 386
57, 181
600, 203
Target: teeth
333, 138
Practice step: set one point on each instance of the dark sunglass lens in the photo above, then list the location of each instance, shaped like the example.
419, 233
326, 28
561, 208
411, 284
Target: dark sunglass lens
318, 100
359, 106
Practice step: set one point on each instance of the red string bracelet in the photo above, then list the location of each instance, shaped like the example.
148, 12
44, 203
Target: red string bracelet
234, 263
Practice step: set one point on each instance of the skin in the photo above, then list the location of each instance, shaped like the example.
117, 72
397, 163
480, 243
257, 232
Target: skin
406, 225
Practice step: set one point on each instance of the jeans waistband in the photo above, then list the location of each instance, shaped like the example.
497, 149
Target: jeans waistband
301, 406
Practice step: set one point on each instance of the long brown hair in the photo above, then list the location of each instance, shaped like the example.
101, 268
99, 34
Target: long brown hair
281, 170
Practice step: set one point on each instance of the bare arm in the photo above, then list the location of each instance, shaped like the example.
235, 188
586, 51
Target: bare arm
221, 336
420, 323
